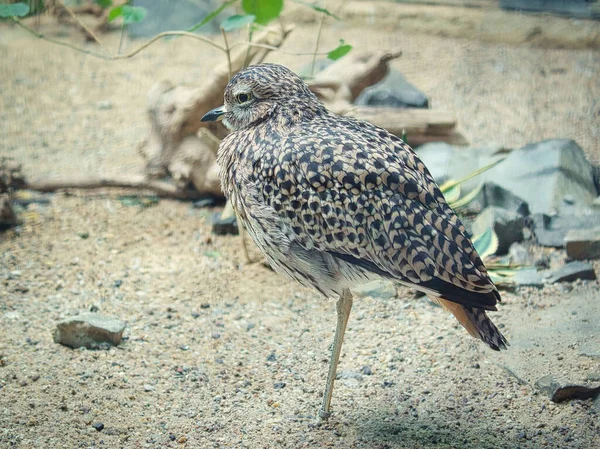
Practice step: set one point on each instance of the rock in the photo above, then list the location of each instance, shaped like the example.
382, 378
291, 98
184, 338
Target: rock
98, 426
528, 277
393, 91
583, 243
90, 330
552, 230
166, 15
547, 384
572, 8
519, 254
225, 226
494, 195
573, 271
550, 386
544, 173
104, 105
507, 225
446, 161
575, 392
379, 289
8, 218
350, 379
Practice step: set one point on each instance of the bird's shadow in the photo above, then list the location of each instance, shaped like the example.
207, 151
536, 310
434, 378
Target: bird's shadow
383, 430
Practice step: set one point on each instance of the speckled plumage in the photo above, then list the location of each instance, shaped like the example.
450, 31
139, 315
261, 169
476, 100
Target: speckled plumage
334, 201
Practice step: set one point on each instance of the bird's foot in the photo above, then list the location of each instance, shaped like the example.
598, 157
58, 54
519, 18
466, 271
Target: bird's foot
323, 416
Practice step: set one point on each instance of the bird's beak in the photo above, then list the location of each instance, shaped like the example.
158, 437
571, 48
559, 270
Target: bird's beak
214, 115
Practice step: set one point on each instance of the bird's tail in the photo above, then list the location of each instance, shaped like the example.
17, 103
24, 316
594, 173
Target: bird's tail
475, 321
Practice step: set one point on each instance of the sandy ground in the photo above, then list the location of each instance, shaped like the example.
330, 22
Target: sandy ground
220, 353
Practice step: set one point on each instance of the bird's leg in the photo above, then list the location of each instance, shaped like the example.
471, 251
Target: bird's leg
343, 307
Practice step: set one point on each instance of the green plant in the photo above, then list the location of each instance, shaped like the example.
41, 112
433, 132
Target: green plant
258, 13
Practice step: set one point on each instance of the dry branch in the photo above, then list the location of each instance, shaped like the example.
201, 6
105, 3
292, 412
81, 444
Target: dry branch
160, 188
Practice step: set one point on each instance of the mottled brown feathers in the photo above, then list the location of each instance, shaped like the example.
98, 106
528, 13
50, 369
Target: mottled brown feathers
333, 201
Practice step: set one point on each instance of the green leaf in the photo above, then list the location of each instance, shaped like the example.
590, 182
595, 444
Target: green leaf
138, 201
104, 3
14, 10
211, 16
133, 14
449, 184
486, 243
451, 194
263, 10
462, 202
115, 13
212, 254
342, 50
237, 21
130, 14
318, 9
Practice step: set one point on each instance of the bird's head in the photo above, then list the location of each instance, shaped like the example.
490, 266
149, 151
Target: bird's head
261, 91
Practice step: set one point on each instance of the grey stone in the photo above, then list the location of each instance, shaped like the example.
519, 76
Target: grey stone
571, 272
528, 277
544, 173
519, 254
539, 176
378, 289
446, 161
547, 384
507, 225
167, 15
225, 226
550, 386
552, 230
8, 217
583, 243
89, 330
495, 195
350, 379
572, 8
393, 91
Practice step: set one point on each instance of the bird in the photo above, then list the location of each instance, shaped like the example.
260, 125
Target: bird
335, 202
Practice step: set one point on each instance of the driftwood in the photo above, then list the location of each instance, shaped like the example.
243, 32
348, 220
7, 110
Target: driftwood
419, 125
342, 82
137, 182
174, 113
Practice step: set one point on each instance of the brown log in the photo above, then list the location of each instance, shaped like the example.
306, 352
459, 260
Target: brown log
420, 125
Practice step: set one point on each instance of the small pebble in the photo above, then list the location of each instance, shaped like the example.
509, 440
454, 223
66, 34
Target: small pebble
98, 426
366, 370
279, 385
272, 357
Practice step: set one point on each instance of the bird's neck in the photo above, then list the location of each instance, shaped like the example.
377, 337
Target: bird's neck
296, 114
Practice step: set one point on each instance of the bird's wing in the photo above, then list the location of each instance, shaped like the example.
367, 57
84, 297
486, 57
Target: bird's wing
355, 191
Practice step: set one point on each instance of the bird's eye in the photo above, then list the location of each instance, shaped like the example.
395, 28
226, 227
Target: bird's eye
243, 98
